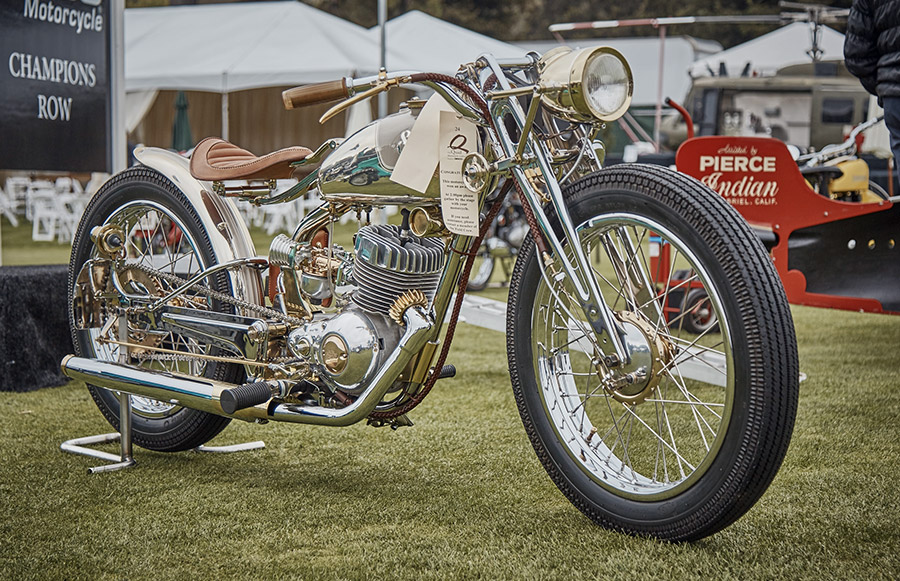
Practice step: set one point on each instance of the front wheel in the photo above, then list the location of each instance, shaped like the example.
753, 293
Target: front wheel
684, 438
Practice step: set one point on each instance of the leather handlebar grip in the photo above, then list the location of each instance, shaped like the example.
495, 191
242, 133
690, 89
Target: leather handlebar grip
315, 93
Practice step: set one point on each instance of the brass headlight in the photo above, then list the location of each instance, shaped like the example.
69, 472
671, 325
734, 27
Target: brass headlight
586, 85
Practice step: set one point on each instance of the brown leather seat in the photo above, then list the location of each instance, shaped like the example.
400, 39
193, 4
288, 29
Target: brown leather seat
215, 159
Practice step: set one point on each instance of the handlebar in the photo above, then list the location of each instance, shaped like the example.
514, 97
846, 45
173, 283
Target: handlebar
684, 115
315, 94
835, 150
350, 91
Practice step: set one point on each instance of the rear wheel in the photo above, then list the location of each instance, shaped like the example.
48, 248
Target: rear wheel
685, 437
163, 233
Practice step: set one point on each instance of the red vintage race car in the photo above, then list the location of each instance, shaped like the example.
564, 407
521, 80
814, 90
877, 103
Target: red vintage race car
829, 252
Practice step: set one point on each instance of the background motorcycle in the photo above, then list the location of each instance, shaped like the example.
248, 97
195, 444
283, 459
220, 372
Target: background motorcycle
837, 173
500, 246
645, 427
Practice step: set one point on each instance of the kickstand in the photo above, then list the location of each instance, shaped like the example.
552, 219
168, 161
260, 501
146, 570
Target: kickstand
125, 457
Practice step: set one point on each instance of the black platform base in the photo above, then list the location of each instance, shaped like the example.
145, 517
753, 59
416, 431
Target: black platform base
34, 329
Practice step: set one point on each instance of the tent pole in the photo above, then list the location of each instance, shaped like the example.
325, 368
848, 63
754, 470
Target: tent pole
659, 86
225, 106
382, 18
225, 116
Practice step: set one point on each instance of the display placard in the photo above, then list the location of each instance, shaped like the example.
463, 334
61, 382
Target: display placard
55, 85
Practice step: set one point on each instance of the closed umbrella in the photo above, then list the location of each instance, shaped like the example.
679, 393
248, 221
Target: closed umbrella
181, 129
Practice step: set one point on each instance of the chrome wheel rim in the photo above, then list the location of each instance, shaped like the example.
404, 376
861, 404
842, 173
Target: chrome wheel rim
656, 438
156, 238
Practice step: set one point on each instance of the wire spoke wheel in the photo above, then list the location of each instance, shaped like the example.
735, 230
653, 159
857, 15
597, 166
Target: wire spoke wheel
651, 437
481, 272
161, 233
684, 437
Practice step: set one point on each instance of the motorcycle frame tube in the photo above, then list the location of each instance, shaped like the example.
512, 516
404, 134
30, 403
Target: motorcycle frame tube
224, 226
459, 246
589, 295
205, 394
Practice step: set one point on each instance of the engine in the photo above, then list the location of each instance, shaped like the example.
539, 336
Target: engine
389, 271
389, 264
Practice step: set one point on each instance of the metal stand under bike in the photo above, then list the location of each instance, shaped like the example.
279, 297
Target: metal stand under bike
125, 457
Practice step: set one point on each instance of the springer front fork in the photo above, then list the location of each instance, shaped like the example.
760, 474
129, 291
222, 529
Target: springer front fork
575, 266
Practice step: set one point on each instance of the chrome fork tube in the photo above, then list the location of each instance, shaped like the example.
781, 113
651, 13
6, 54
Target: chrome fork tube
588, 294
448, 284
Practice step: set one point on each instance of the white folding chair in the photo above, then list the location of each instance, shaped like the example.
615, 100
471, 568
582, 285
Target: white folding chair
17, 191
8, 208
45, 214
70, 207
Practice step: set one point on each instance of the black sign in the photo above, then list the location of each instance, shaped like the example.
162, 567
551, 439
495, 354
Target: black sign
55, 85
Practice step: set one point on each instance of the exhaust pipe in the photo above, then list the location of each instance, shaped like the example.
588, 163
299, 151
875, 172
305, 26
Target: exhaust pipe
205, 394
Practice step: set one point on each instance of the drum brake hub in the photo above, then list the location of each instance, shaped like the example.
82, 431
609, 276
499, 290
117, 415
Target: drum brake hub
649, 352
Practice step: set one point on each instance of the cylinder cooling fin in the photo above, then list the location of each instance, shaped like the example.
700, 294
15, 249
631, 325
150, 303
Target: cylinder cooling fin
387, 265
282, 251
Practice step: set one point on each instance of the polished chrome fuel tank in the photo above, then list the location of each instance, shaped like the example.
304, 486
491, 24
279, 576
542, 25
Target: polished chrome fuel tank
359, 170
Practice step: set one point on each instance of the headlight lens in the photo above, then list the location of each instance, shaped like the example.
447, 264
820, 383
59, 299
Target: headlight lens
606, 84
586, 85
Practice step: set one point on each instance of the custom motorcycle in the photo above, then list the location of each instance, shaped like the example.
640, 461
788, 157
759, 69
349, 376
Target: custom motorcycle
646, 427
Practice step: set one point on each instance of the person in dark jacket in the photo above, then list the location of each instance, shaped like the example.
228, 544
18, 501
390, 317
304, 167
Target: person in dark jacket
872, 53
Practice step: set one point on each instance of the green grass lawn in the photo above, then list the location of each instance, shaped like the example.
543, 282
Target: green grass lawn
18, 248
458, 495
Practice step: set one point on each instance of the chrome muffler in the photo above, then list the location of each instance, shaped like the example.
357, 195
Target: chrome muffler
205, 394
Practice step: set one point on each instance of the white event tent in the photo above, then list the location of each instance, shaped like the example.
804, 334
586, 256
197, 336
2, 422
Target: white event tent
766, 54
416, 41
419, 42
222, 48
231, 47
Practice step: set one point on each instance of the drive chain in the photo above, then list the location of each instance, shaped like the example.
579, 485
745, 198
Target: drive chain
259, 310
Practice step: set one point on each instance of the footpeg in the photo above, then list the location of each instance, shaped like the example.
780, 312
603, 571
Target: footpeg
447, 371
246, 396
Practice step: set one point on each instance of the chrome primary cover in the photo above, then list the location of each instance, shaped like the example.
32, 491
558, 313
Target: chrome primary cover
347, 349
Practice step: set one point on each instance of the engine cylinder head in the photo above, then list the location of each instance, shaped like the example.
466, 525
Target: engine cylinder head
388, 265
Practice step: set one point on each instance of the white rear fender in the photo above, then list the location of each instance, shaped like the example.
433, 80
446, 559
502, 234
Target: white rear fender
224, 225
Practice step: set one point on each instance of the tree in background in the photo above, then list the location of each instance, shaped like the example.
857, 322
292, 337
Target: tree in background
513, 20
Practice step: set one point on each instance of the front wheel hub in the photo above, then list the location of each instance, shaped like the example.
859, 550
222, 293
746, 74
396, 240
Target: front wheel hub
649, 354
